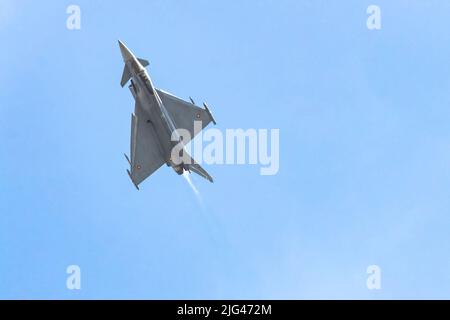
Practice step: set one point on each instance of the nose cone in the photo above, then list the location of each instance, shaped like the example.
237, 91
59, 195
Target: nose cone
126, 53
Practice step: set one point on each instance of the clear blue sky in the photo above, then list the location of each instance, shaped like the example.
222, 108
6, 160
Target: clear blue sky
364, 119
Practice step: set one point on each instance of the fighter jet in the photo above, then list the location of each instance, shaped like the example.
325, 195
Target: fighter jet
157, 116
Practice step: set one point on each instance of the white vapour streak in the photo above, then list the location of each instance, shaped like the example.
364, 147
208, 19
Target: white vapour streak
212, 225
187, 176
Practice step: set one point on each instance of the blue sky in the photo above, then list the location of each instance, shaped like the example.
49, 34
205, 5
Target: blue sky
364, 151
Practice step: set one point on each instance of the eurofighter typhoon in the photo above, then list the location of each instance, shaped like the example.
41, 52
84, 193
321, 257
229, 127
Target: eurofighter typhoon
157, 117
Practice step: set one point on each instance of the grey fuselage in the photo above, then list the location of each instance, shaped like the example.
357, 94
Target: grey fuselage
148, 99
